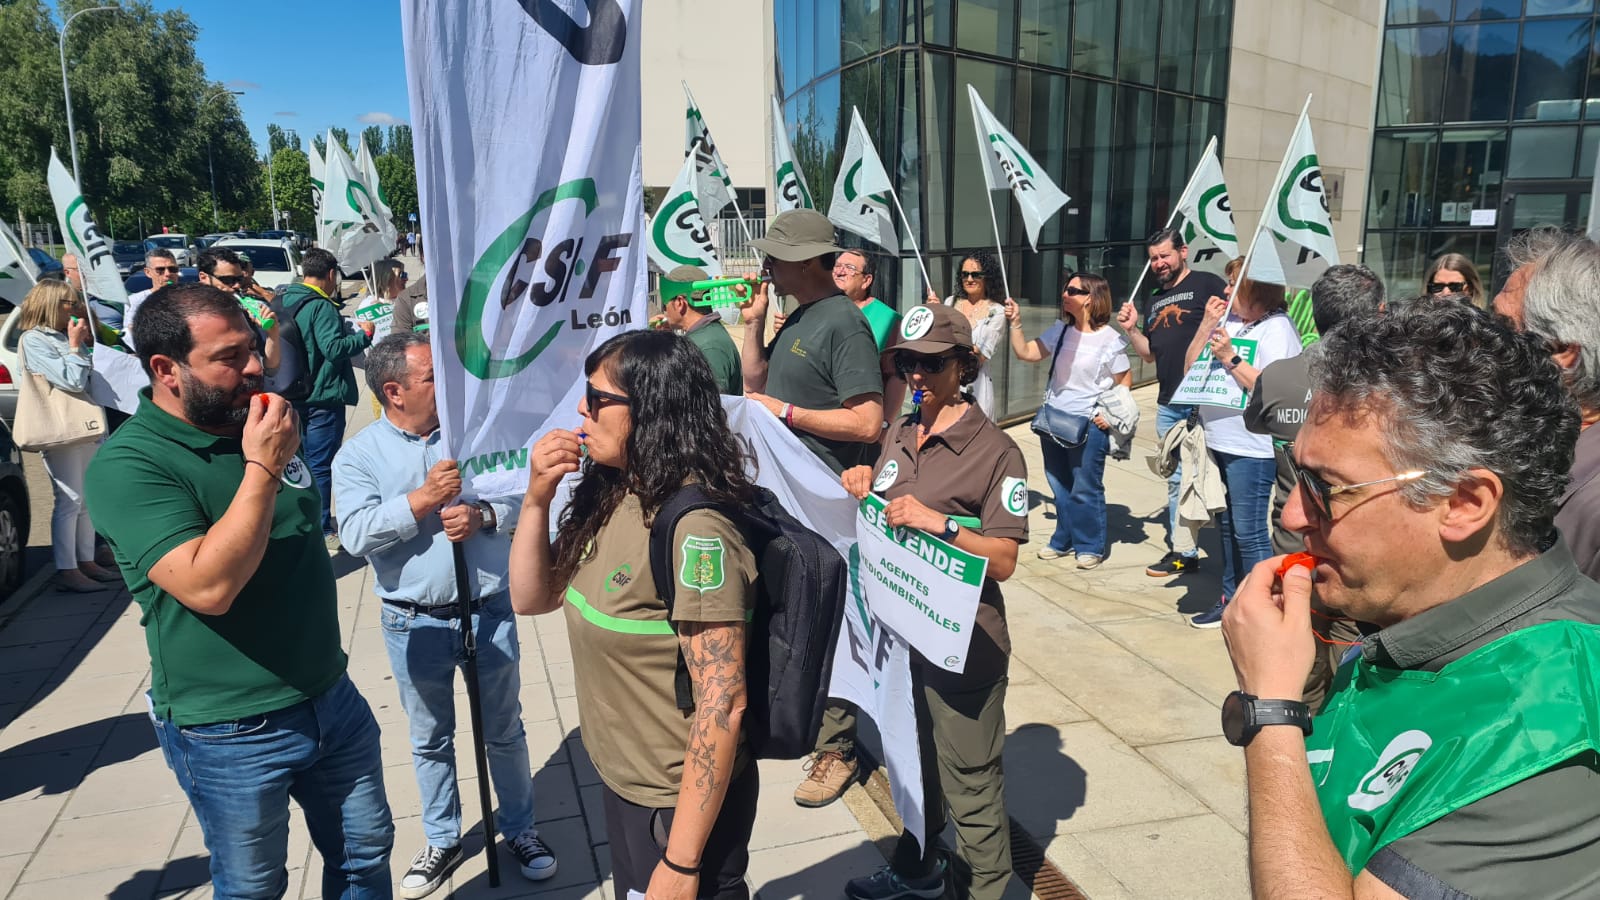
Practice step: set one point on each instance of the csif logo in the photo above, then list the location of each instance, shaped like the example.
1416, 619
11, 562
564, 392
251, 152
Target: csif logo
1302, 188
680, 232
544, 267
1019, 175
600, 43
792, 189
877, 204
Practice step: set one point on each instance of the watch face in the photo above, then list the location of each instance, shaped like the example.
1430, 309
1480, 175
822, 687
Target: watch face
1235, 718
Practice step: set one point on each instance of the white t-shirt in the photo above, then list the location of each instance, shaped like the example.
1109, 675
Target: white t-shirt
1276, 338
1086, 366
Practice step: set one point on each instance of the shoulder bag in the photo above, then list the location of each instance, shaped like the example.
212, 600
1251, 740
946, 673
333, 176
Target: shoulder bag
1065, 429
48, 417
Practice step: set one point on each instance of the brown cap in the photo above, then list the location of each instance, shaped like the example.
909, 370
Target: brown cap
798, 235
934, 329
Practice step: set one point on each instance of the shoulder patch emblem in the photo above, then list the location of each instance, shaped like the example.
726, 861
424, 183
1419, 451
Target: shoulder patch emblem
918, 322
296, 474
887, 476
1395, 765
702, 567
1015, 493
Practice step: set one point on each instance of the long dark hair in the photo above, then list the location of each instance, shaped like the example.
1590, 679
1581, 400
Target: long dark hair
991, 275
679, 435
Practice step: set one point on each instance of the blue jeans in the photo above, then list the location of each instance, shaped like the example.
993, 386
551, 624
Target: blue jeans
1077, 479
321, 433
425, 652
239, 777
1246, 537
1181, 538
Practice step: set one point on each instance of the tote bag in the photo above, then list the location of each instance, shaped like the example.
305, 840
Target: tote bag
48, 417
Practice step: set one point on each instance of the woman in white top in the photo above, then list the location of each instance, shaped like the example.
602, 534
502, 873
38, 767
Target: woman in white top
1254, 335
980, 284
55, 345
1088, 358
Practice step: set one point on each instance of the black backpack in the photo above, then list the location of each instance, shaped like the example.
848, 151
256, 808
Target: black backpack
801, 586
293, 379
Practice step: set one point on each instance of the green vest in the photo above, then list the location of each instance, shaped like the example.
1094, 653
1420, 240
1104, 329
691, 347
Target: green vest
1395, 750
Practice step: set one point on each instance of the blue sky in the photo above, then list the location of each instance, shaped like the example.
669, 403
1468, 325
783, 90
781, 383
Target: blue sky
354, 75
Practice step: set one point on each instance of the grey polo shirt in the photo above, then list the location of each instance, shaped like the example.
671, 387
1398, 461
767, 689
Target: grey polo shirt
1578, 510
1538, 839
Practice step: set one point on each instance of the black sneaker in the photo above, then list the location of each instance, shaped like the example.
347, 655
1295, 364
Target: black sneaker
1211, 618
1173, 564
884, 884
429, 869
537, 862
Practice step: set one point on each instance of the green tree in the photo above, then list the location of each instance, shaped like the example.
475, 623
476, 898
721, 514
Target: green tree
342, 135
279, 138
321, 143
291, 181
400, 140
373, 135
398, 175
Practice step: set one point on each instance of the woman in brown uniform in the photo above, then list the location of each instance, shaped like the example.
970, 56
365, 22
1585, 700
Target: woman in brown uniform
680, 787
947, 470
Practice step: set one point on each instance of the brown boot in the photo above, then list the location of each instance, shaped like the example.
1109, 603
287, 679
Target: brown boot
828, 774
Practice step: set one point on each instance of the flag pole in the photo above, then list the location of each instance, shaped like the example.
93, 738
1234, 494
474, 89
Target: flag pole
1172, 217
912, 236
469, 669
1005, 280
733, 193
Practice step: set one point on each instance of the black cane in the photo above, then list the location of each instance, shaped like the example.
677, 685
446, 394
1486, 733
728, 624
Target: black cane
469, 641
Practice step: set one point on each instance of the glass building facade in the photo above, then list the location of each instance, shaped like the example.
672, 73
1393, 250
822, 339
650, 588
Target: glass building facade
1484, 127
1115, 98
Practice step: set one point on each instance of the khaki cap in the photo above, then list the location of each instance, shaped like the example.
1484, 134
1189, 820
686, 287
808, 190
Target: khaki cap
934, 329
798, 235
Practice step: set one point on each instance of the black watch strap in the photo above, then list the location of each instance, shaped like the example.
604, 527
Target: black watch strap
1244, 715
1281, 712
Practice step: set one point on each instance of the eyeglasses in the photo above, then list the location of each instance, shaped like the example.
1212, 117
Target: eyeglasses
1321, 493
1078, 292
405, 276
906, 362
1447, 287
594, 398
971, 276
159, 269
229, 280
846, 269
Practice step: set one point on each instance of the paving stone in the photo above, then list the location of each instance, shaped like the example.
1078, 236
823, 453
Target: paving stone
1195, 858
10, 868
1193, 657
1039, 704
23, 824
27, 630
129, 785
27, 777
1210, 769
1085, 870
135, 837
118, 881
780, 823
1080, 777
815, 869
45, 655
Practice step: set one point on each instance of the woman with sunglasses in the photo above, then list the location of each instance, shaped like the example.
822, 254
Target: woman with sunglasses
947, 470
1087, 358
977, 299
1453, 275
1255, 334
679, 789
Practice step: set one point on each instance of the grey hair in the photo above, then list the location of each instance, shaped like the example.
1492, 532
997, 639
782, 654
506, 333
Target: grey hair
1561, 303
386, 360
1454, 389
1529, 247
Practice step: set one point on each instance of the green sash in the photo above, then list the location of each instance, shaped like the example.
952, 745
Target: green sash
1395, 750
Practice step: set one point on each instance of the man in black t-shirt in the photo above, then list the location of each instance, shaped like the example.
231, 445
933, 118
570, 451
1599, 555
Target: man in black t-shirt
1171, 318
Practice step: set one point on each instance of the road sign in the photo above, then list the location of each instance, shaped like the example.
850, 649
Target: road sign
412, 217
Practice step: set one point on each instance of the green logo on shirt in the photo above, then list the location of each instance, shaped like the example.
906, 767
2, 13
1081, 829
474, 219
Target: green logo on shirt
1015, 491
702, 563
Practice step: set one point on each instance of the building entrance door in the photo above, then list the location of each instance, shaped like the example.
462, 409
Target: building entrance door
1530, 204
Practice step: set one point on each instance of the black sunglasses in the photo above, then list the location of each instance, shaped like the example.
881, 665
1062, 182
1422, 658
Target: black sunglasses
594, 398
971, 276
163, 268
1321, 493
906, 362
1439, 287
1078, 292
229, 280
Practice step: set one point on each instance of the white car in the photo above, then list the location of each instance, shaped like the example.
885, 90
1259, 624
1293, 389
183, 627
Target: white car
180, 245
277, 262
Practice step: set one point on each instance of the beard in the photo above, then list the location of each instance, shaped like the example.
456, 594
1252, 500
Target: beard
208, 406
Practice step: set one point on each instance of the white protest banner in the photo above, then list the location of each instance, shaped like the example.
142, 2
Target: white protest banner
349, 211
927, 590
677, 235
526, 128
1007, 164
861, 194
1208, 228
792, 192
1207, 383
871, 664
82, 236
368, 170
18, 274
1294, 244
116, 380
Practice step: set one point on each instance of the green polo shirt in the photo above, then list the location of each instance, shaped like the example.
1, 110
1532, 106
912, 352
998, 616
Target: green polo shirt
711, 336
882, 318
823, 356
159, 482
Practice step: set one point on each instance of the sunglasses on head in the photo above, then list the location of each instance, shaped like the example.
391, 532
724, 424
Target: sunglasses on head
1442, 287
906, 362
1321, 493
594, 398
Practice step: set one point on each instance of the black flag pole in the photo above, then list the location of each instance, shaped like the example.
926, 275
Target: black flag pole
469, 640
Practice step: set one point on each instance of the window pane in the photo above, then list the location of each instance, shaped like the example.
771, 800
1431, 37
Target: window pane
1482, 63
1543, 152
1402, 169
1559, 7
1094, 36
1130, 170
910, 180
1399, 260
1530, 210
1041, 107
1487, 9
826, 18
863, 23
788, 41
1045, 38
1407, 12
1212, 37
1172, 151
1089, 152
937, 89
1177, 45
1586, 154
1413, 75
1136, 56
987, 26
936, 22
1555, 56
1470, 163
970, 225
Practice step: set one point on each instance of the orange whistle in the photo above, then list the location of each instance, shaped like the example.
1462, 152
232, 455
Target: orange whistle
1296, 559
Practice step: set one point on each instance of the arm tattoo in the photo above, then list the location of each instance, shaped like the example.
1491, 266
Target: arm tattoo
714, 653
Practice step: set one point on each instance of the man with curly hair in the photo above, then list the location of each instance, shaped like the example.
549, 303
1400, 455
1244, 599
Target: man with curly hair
1457, 754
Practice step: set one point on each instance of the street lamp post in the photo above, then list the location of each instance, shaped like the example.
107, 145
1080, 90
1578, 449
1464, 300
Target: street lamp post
272, 192
66, 90
209, 163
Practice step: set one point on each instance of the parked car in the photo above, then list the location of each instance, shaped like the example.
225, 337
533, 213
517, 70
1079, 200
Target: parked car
277, 262
15, 514
44, 261
128, 255
182, 248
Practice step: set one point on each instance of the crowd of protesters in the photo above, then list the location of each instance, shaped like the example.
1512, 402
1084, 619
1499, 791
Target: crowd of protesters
1408, 509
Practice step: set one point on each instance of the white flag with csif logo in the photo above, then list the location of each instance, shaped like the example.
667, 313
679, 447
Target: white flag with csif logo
526, 126
1208, 228
1008, 165
677, 235
350, 212
83, 237
1294, 244
862, 192
792, 191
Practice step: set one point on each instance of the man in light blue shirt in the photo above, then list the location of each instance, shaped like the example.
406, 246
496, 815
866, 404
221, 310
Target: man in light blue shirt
395, 493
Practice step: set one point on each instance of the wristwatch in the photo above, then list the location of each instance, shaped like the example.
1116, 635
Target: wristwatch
490, 520
951, 529
1244, 715
1235, 361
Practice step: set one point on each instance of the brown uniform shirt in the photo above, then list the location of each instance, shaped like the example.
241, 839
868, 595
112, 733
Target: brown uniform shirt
624, 651
975, 473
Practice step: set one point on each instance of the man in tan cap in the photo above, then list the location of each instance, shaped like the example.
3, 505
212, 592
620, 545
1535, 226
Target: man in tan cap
821, 375
703, 329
